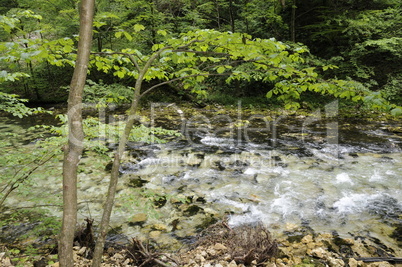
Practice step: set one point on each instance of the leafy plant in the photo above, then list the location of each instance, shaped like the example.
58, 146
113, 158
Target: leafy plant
14, 105
393, 88
102, 94
19, 163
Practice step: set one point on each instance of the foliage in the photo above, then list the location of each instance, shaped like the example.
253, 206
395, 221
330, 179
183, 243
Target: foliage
393, 88
20, 163
18, 166
146, 200
362, 39
10, 103
196, 55
366, 38
25, 48
102, 94
41, 228
262, 19
98, 134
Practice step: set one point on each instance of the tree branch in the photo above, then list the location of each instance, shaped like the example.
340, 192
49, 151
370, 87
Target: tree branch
181, 78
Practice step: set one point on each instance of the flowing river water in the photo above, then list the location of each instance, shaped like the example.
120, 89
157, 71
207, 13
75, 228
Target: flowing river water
285, 171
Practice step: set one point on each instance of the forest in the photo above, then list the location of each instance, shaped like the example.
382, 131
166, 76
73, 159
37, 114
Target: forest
338, 40
254, 90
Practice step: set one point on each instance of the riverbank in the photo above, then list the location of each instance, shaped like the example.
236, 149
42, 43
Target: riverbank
222, 246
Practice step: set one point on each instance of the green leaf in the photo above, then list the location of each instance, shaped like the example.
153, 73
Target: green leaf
220, 69
396, 111
345, 94
269, 94
118, 34
357, 98
99, 65
200, 78
67, 49
128, 36
138, 27
161, 32
120, 74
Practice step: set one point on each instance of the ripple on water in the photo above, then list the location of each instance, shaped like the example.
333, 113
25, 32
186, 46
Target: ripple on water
347, 187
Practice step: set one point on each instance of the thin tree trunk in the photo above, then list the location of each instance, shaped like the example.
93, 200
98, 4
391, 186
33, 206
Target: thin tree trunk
218, 17
73, 149
232, 22
114, 177
293, 22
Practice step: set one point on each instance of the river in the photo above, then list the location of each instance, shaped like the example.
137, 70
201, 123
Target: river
285, 170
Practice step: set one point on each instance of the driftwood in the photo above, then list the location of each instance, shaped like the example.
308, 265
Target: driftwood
377, 259
245, 243
146, 256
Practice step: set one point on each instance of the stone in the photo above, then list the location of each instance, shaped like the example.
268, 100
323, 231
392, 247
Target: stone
311, 245
199, 259
354, 263
82, 250
219, 246
211, 251
127, 262
155, 234
118, 256
232, 264
336, 262
159, 226
349, 241
6, 262
227, 257
319, 253
307, 239
139, 218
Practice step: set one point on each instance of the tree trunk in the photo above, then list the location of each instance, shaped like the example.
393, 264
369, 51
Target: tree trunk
73, 149
114, 177
293, 22
231, 15
218, 17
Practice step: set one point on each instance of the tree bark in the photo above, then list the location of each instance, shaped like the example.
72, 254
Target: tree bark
231, 15
74, 147
293, 22
114, 177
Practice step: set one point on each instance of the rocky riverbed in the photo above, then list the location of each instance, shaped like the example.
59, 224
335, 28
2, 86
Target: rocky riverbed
283, 171
222, 246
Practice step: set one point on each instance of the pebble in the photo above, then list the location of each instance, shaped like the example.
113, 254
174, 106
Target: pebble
319, 253
139, 217
159, 226
354, 263
219, 246
155, 234
81, 251
307, 239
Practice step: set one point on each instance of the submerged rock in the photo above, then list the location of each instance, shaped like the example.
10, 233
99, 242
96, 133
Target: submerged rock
138, 219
